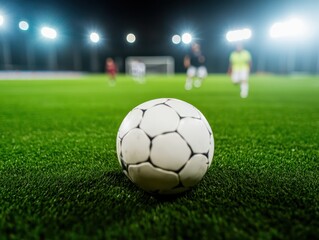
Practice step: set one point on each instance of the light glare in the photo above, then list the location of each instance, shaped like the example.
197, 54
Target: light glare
293, 27
1, 20
94, 37
130, 38
176, 39
187, 38
48, 32
23, 25
238, 35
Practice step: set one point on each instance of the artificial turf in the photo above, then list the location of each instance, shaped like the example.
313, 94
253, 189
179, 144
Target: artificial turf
60, 177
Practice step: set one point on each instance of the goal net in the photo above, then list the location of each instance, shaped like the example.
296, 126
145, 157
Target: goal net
153, 64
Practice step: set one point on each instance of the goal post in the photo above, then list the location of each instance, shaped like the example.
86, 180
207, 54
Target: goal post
153, 64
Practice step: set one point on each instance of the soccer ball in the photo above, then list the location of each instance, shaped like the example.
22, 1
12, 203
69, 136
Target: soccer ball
165, 146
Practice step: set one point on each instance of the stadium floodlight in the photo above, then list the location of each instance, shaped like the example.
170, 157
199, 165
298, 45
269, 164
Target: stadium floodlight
48, 32
23, 25
1, 20
130, 38
187, 38
238, 35
94, 37
292, 28
176, 39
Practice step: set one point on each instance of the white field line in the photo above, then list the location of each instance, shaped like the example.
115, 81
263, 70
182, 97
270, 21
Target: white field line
40, 75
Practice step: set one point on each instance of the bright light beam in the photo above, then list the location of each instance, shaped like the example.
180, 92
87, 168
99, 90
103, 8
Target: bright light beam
187, 38
292, 28
94, 37
130, 38
23, 25
1, 20
48, 32
238, 35
176, 39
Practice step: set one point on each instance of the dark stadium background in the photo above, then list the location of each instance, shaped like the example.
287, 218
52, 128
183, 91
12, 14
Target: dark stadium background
154, 23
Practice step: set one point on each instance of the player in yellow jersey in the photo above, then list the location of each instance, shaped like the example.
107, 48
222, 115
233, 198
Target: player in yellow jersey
239, 68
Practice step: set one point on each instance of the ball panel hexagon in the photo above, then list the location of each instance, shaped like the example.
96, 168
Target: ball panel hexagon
195, 133
159, 119
151, 103
151, 178
135, 146
118, 149
132, 120
194, 170
169, 151
211, 151
183, 109
206, 123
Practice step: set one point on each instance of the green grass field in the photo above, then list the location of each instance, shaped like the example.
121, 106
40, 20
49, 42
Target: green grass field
60, 177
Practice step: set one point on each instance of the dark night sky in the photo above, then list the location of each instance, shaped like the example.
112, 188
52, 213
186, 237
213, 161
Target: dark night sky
153, 22
151, 19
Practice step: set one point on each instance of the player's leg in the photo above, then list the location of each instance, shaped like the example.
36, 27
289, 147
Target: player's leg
133, 71
142, 73
244, 87
112, 78
138, 73
235, 76
201, 75
190, 74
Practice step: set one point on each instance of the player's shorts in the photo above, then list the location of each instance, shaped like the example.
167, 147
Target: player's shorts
240, 75
200, 72
111, 72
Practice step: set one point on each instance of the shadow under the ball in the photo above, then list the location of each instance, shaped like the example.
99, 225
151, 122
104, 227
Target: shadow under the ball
118, 179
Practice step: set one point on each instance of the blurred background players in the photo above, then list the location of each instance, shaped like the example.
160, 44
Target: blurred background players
138, 70
111, 70
194, 62
239, 68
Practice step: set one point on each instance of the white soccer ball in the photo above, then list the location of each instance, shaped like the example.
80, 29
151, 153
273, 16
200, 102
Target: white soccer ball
165, 146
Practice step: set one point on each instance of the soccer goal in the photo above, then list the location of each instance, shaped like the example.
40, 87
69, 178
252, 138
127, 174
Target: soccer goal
153, 64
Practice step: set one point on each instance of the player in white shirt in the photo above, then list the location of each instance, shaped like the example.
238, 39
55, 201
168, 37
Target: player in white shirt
138, 71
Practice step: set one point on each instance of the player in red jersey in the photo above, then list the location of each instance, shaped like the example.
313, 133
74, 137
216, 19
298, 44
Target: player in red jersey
111, 70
